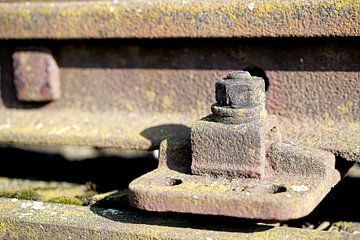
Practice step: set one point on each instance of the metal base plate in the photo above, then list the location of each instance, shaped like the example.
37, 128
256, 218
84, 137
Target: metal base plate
171, 188
166, 190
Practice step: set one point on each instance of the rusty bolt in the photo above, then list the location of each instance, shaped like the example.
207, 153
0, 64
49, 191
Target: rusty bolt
233, 140
36, 75
240, 98
239, 90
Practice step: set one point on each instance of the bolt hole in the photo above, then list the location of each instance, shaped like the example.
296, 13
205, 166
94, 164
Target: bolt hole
278, 188
265, 188
258, 72
174, 181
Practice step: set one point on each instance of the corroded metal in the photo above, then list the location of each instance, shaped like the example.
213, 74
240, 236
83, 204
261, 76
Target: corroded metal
238, 168
117, 90
302, 184
232, 149
36, 75
233, 140
240, 98
35, 220
192, 18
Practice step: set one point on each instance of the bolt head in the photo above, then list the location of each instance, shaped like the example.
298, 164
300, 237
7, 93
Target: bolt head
36, 75
240, 90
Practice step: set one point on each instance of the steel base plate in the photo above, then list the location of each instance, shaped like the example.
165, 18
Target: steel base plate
171, 188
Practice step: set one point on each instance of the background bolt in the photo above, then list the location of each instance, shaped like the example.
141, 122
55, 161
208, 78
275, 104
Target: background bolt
36, 75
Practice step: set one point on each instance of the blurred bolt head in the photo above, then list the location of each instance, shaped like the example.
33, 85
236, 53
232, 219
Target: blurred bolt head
36, 75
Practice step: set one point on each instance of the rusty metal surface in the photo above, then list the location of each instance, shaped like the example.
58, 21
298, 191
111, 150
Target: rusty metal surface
146, 131
79, 128
145, 84
36, 220
178, 75
163, 19
238, 168
340, 138
36, 75
231, 150
233, 140
301, 180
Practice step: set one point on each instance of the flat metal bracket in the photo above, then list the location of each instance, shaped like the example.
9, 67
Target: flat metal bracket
171, 188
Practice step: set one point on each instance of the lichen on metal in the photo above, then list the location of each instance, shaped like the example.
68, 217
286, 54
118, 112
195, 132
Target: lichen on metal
21, 219
50, 191
126, 19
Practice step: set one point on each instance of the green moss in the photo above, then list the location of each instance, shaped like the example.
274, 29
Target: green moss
21, 194
66, 200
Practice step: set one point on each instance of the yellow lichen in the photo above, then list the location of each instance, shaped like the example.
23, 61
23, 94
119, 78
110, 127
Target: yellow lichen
66, 200
166, 102
150, 96
327, 119
354, 126
345, 109
25, 194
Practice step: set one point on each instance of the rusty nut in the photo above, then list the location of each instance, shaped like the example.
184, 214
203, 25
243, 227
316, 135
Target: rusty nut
240, 90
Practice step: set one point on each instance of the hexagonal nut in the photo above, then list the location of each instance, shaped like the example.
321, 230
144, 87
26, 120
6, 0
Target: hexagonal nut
36, 76
240, 92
